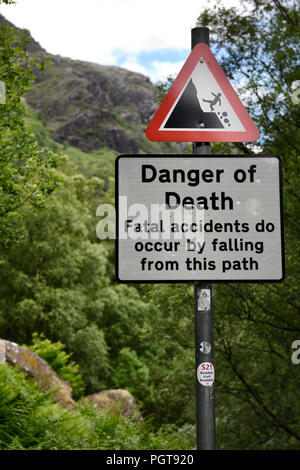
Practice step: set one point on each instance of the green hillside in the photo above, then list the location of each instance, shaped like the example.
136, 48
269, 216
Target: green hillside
97, 163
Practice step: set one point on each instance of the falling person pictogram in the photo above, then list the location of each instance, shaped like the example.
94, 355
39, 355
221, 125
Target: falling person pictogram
214, 101
188, 113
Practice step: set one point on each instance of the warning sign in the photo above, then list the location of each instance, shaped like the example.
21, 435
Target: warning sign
182, 218
202, 106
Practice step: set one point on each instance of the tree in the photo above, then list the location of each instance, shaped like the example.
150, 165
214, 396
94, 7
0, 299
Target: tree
52, 278
26, 177
58, 282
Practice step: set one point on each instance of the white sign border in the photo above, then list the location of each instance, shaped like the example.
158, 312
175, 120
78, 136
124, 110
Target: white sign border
207, 279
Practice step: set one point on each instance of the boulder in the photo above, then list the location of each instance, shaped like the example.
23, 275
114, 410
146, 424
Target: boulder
30, 363
118, 400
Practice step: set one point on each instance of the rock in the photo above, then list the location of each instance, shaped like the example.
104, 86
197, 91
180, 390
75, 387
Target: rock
118, 400
117, 139
38, 369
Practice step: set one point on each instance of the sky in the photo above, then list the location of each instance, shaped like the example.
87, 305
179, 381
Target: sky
152, 37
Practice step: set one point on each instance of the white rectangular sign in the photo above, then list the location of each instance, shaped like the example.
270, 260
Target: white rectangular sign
194, 218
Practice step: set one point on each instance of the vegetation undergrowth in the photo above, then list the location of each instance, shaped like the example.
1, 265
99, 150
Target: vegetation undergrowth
29, 419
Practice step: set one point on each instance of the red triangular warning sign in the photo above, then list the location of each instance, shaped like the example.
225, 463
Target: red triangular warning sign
202, 106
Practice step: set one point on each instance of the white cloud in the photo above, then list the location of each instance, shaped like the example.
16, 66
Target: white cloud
94, 30
156, 70
161, 70
132, 64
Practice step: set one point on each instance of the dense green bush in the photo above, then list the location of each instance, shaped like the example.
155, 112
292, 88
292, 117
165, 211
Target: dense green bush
54, 354
30, 420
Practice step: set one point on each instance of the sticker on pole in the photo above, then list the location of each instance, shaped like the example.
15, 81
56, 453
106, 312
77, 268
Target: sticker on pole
202, 106
206, 374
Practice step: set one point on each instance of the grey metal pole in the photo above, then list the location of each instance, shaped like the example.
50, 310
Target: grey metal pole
200, 35
204, 341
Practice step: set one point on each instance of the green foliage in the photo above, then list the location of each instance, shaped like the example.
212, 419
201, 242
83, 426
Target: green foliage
26, 177
54, 354
54, 277
163, 87
29, 420
133, 373
172, 336
258, 51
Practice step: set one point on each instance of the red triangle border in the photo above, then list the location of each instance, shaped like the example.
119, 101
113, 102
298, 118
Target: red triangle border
153, 133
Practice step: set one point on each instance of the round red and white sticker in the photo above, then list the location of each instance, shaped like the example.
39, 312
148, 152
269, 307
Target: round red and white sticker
206, 374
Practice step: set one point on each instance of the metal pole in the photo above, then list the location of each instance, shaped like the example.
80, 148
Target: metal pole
204, 341
200, 35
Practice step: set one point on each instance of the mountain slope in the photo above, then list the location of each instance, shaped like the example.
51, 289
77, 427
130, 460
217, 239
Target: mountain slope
92, 106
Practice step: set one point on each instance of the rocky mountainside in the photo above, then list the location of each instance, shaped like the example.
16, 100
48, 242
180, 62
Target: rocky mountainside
90, 106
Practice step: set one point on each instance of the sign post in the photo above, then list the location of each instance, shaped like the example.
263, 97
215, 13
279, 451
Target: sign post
204, 357
204, 327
